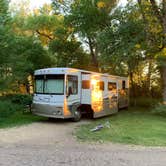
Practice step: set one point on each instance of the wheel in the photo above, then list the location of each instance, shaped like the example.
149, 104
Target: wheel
77, 115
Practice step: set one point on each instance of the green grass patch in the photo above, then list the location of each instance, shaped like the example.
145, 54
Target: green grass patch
136, 126
18, 119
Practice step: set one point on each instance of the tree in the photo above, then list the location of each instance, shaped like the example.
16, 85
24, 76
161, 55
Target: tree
20, 53
69, 53
157, 14
5, 44
3, 12
122, 42
88, 17
29, 56
62, 7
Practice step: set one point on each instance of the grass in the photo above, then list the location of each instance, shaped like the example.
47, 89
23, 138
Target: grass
136, 126
18, 119
12, 115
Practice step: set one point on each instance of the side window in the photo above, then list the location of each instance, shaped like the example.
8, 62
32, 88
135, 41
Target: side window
123, 85
112, 86
101, 85
85, 84
98, 85
72, 84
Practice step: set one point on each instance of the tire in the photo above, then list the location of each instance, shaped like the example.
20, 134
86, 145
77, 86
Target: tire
77, 115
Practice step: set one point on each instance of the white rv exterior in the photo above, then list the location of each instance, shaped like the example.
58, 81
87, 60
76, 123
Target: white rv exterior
69, 93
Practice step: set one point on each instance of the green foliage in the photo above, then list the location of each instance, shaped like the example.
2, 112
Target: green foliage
11, 111
69, 54
3, 12
17, 99
7, 109
122, 42
44, 25
62, 6
21, 99
87, 18
144, 102
30, 55
86, 34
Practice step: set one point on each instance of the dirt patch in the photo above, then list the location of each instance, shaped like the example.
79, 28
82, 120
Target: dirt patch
52, 143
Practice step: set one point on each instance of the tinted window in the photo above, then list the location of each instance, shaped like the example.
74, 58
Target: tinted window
98, 85
49, 84
123, 84
112, 86
72, 84
85, 84
101, 85
39, 86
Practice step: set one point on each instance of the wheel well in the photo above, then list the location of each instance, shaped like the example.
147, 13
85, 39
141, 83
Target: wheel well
85, 108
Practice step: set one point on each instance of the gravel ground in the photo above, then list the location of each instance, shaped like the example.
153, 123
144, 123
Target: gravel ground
52, 144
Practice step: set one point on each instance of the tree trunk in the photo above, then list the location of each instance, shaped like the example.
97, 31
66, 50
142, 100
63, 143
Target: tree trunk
149, 77
132, 92
164, 46
164, 84
162, 20
93, 54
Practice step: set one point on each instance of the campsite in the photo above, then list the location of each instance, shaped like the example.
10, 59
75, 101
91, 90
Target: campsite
83, 82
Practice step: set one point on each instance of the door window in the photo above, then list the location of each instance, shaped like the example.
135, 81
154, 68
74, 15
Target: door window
112, 86
72, 84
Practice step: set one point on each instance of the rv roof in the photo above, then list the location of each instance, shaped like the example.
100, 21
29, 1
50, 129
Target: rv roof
65, 69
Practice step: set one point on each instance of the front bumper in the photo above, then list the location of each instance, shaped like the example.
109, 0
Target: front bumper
47, 110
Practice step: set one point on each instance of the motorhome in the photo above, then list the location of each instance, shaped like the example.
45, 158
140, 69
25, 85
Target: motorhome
69, 93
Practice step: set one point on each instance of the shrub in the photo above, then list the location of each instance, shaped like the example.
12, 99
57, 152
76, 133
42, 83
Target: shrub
144, 102
21, 99
7, 109
17, 99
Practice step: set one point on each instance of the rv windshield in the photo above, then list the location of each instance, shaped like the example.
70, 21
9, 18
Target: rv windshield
49, 84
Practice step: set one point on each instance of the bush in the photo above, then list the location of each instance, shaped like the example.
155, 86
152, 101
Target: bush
7, 109
18, 99
21, 99
161, 109
144, 102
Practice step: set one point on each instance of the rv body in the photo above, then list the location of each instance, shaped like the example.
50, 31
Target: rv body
69, 93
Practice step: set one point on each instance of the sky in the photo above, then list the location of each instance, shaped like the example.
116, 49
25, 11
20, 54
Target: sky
33, 3
39, 3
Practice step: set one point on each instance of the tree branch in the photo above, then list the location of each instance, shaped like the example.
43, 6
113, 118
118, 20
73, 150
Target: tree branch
45, 35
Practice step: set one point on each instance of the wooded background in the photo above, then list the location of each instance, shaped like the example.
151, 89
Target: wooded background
96, 35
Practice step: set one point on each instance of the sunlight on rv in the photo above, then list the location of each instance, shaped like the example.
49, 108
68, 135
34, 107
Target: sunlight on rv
97, 96
66, 110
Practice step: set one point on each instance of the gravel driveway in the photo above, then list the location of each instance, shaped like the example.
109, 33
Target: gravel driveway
52, 144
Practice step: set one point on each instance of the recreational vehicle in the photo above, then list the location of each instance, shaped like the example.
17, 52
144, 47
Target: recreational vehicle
69, 93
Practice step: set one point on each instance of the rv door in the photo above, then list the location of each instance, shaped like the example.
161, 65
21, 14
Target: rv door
73, 89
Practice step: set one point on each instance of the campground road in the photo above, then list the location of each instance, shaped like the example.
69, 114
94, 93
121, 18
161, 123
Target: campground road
52, 144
